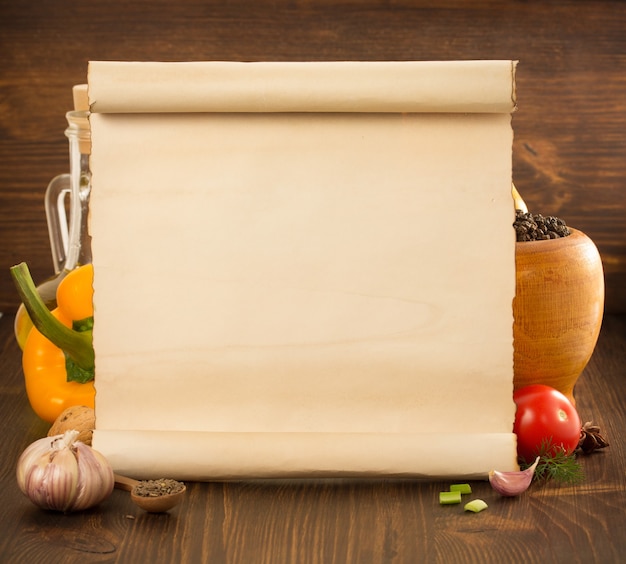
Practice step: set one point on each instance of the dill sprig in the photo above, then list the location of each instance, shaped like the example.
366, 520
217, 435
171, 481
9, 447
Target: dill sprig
555, 464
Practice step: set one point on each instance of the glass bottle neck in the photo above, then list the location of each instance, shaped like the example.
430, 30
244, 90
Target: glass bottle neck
79, 241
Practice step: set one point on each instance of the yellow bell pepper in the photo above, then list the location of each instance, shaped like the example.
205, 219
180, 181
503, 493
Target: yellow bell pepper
58, 357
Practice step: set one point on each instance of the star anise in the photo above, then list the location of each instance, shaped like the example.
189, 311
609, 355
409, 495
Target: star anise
591, 439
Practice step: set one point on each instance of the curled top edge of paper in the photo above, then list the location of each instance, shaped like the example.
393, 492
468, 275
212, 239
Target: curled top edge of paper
485, 86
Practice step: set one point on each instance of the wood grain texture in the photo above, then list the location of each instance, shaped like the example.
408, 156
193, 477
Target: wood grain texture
557, 310
334, 521
569, 159
569, 154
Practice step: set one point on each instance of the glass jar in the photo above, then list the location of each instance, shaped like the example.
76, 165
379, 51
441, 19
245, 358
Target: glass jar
67, 205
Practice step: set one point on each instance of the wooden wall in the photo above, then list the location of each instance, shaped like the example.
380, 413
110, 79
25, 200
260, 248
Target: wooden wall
569, 151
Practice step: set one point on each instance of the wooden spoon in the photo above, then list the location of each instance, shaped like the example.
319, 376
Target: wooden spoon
156, 504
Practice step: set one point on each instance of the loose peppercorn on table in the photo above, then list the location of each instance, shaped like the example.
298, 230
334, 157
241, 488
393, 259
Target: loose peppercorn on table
568, 161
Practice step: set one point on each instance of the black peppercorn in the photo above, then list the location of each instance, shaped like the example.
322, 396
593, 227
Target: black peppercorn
536, 227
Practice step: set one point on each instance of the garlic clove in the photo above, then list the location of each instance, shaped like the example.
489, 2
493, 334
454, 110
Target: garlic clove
101, 480
53, 467
510, 484
62, 471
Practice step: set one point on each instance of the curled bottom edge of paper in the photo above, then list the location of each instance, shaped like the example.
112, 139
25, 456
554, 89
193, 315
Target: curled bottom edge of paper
208, 456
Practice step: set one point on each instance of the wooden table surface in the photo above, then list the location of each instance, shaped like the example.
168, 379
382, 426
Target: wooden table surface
569, 159
376, 521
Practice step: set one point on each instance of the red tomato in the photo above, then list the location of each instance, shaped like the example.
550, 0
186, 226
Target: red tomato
544, 417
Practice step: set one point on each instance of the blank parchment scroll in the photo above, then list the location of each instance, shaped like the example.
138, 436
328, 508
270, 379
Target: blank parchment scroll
303, 269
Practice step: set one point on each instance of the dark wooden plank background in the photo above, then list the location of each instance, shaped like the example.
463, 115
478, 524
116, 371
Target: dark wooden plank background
570, 129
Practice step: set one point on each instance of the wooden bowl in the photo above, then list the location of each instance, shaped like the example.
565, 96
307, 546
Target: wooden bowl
557, 310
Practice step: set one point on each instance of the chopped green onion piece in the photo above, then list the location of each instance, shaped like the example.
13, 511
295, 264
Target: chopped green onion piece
476, 505
449, 498
463, 488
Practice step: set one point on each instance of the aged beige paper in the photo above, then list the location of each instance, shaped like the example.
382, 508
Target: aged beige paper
285, 287
412, 86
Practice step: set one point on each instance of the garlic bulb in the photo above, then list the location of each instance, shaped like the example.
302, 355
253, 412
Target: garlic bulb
510, 484
64, 474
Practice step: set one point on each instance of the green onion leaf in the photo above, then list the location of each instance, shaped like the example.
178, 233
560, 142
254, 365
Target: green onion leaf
462, 488
449, 498
475, 506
